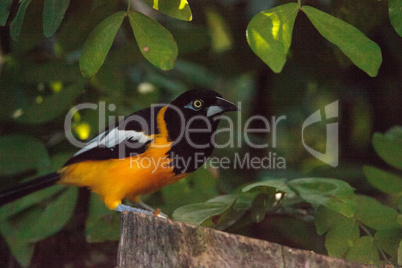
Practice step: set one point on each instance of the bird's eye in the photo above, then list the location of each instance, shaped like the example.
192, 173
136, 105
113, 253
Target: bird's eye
197, 104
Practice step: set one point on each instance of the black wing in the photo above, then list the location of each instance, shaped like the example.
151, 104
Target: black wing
126, 138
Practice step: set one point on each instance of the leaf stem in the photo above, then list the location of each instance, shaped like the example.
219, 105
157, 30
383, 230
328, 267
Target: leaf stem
299, 3
364, 228
128, 6
372, 237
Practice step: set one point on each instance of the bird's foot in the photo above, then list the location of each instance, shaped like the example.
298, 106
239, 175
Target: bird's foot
157, 212
121, 208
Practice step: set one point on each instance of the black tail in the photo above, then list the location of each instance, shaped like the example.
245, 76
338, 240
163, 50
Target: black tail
28, 187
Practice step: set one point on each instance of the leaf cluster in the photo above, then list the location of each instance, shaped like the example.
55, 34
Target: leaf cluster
269, 33
357, 227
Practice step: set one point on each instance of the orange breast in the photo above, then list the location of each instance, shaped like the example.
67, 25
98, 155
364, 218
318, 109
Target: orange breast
116, 179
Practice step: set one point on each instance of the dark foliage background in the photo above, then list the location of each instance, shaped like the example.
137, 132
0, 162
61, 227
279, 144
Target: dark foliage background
40, 81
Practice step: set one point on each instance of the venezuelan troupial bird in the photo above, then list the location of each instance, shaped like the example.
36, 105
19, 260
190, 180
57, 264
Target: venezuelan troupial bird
146, 151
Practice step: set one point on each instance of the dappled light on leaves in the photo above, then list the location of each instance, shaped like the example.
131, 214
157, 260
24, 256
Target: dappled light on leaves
269, 34
178, 9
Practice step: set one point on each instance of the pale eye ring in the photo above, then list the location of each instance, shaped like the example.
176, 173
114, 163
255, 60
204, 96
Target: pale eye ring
197, 104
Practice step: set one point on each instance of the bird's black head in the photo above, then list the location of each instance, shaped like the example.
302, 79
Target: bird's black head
192, 119
196, 109
202, 102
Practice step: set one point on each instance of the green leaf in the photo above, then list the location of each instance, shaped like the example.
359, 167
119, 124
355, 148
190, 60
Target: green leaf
53, 14
21, 153
389, 146
4, 11
334, 194
382, 180
399, 205
261, 197
269, 34
388, 240
363, 52
375, 215
16, 25
43, 221
341, 236
178, 9
364, 251
260, 205
27, 202
50, 107
324, 219
154, 41
102, 224
395, 15
98, 44
258, 198
202, 213
219, 31
197, 187
40, 221
22, 250
229, 216
245, 200
276, 185
227, 198
97, 3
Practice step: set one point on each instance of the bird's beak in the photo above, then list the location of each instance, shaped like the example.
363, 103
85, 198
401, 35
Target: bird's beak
220, 106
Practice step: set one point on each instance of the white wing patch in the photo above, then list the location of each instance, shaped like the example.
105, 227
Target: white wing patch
113, 138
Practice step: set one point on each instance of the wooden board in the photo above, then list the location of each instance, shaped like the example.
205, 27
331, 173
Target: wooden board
148, 241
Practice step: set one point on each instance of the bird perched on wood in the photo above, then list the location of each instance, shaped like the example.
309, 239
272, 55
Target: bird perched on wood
146, 151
